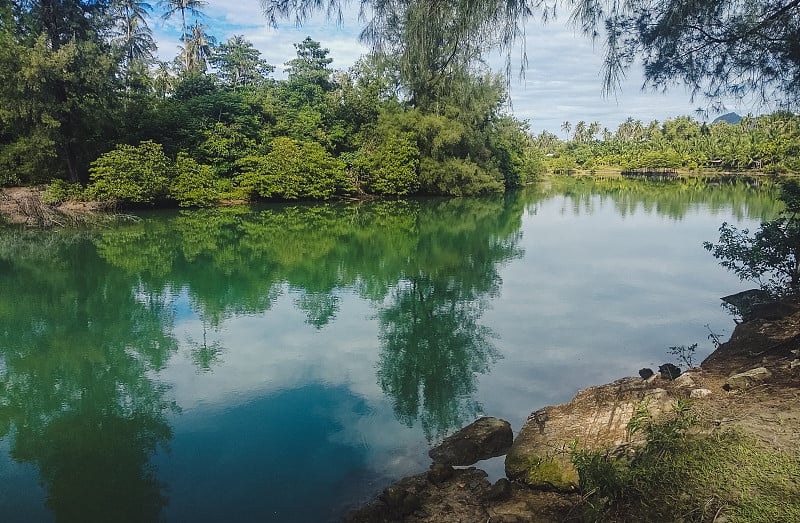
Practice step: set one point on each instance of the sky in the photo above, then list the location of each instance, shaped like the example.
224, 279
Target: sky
562, 81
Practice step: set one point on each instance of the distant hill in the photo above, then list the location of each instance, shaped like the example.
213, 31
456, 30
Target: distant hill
731, 118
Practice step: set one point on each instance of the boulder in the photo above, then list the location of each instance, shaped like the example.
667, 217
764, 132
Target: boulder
699, 393
669, 371
645, 373
684, 380
596, 419
484, 438
745, 380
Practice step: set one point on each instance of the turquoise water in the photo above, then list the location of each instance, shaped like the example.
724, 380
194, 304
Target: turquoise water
286, 362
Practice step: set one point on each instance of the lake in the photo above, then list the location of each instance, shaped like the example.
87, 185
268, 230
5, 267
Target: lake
286, 362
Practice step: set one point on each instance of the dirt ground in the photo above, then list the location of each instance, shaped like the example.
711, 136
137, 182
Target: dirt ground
24, 206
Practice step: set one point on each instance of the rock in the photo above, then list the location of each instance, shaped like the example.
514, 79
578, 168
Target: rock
484, 438
645, 373
440, 473
653, 378
500, 491
596, 419
699, 393
745, 380
773, 310
684, 380
669, 371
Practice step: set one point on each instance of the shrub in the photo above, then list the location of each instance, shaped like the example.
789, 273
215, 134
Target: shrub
134, 174
294, 170
63, 191
390, 167
195, 185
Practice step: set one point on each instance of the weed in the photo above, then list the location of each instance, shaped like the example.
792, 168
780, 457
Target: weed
677, 476
684, 354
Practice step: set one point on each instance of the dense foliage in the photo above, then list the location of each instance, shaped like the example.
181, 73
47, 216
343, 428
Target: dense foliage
771, 257
769, 143
83, 99
716, 48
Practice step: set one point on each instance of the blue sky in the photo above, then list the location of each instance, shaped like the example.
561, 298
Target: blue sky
562, 83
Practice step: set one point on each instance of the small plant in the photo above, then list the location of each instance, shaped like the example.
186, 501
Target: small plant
62, 191
679, 476
713, 337
684, 354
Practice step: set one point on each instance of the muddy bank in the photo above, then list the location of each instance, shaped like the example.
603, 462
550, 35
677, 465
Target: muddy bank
26, 206
751, 384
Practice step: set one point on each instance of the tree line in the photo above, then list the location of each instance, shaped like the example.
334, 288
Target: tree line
768, 143
85, 103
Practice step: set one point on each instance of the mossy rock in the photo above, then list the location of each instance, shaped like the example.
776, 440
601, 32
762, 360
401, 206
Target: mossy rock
553, 472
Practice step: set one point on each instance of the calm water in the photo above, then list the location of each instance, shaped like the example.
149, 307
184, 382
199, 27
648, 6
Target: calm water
286, 362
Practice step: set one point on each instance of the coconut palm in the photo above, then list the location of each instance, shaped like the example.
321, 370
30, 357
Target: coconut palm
174, 6
197, 48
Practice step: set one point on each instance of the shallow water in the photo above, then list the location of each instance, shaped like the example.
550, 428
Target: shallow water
286, 362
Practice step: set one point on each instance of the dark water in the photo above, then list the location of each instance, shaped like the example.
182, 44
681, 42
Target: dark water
286, 362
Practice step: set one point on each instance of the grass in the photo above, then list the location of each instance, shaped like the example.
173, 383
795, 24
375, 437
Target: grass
683, 477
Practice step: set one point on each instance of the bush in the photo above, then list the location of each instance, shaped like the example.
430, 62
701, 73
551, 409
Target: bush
195, 185
62, 191
133, 174
390, 167
294, 170
771, 257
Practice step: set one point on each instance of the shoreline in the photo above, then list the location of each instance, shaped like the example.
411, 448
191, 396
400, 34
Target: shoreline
543, 488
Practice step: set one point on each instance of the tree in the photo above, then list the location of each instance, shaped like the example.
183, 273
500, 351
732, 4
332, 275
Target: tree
771, 257
174, 6
239, 64
133, 34
133, 174
197, 49
311, 64
715, 47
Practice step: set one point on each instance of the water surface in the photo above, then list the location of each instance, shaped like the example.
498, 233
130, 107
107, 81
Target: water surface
282, 363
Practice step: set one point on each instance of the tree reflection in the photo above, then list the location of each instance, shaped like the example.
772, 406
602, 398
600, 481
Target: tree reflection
78, 342
433, 349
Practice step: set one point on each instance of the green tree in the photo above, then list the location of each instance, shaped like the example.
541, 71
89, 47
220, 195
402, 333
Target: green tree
56, 106
311, 64
239, 64
715, 47
295, 170
771, 257
133, 36
172, 7
131, 174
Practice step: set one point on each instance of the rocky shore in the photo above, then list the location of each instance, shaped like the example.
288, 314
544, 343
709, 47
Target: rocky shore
750, 384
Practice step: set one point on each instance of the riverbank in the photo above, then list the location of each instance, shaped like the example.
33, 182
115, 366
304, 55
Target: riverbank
27, 206
743, 417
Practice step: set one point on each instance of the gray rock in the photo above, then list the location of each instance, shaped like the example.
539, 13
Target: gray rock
440, 473
747, 379
684, 380
699, 393
484, 438
500, 491
596, 419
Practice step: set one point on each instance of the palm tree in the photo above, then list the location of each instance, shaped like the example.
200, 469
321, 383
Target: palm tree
197, 49
566, 127
132, 32
173, 6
